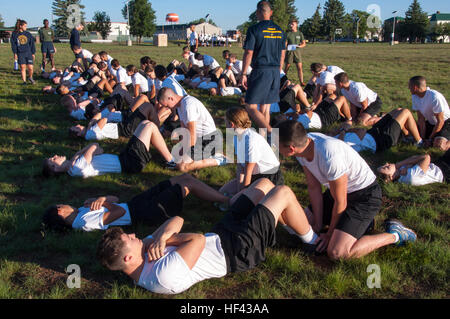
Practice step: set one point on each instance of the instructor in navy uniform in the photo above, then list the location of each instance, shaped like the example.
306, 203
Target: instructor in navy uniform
265, 48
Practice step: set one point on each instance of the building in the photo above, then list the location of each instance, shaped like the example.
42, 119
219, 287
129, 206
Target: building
439, 19
119, 32
182, 31
388, 28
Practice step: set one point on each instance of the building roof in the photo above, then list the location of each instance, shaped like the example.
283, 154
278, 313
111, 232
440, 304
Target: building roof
396, 19
440, 17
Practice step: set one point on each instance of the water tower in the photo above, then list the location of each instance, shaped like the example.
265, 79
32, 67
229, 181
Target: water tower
172, 18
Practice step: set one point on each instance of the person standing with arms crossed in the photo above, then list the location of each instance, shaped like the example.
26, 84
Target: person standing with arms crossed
295, 40
24, 49
265, 51
47, 36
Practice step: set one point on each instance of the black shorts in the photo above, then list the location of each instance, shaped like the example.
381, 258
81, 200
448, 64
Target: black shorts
263, 86
157, 204
444, 164
287, 100
47, 48
309, 90
130, 123
25, 58
374, 108
328, 113
135, 156
276, 178
386, 133
362, 207
228, 82
445, 131
245, 232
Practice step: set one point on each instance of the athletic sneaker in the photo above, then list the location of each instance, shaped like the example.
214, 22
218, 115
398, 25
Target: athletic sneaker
42, 69
393, 226
32, 81
224, 207
24, 83
171, 165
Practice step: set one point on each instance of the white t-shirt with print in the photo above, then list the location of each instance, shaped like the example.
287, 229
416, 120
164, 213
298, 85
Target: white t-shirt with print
138, 78
88, 220
358, 92
109, 131
417, 177
100, 165
432, 103
368, 143
192, 110
171, 275
333, 158
251, 147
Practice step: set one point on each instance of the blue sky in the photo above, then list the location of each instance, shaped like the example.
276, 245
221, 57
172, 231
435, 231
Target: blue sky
226, 13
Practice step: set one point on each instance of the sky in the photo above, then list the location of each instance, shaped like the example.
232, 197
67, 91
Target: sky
226, 14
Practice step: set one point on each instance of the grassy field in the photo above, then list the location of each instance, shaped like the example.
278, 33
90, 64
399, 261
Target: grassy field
33, 126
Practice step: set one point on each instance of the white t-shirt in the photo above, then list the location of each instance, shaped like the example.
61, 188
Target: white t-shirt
100, 165
138, 78
327, 76
358, 92
333, 158
194, 61
210, 62
229, 91
192, 110
192, 38
309, 123
236, 67
368, 143
171, 275
417, 177
171, 82
251, 147
109, 131
122, 76
87, 55
432, 103
88, 220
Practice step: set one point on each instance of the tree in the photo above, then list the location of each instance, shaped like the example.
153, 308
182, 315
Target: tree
142, 18
2, 23
283, 11
66, 19
102, 24
316, 23
333, 18
416, 22
201, 20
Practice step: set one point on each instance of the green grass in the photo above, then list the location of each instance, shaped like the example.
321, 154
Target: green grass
33, 126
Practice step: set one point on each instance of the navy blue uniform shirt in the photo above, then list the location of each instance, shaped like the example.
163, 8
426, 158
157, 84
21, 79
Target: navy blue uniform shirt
266, 40
75, 38
22, 42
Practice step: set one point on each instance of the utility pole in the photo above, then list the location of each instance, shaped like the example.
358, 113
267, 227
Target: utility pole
393, 30
129, 42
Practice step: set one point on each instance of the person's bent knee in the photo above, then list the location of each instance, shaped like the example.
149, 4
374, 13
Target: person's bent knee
336, 254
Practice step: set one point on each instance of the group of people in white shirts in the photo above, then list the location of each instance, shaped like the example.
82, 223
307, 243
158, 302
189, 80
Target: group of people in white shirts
338, 222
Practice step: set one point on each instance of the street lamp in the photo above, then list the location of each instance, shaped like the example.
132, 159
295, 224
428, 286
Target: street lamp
393, 30
357, 29
129, 42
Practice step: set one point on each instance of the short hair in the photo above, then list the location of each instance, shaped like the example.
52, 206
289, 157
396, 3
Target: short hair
149, 68
45, 20
110, 249
59, 88
163, 93
53, 221
292, 133
341, 78
186, 49
419, 81
233, 55
76, 47
317, 67
226, 52
239, 117
198, 56
132, 68
102, 65
160, 71
170, 68
90, 111
115, 63
47, 170
103, 53
264, 6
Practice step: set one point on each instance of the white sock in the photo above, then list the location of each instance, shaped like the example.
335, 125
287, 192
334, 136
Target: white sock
397, 238
310, 237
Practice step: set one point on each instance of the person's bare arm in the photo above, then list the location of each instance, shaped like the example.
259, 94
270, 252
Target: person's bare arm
315, 198
364, 105
88, 152
248, 170
283, 55
247, 60
421, 125
191, 127
439, 125
303, 44
101, 123
424, 162
114, 213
